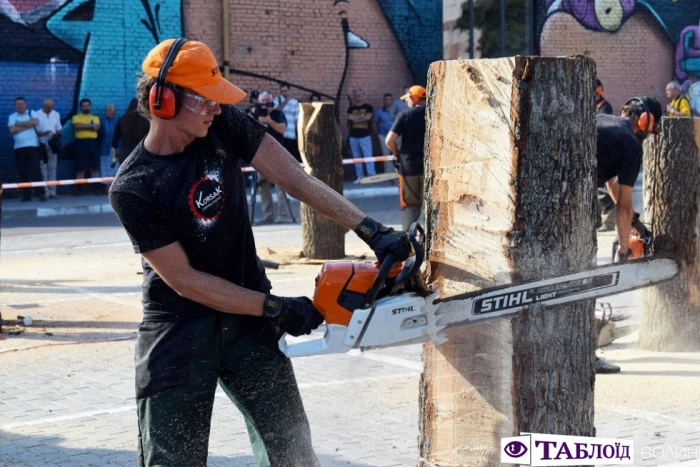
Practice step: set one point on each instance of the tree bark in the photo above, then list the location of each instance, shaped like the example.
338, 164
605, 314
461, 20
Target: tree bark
320, 144
671, 312
510, 185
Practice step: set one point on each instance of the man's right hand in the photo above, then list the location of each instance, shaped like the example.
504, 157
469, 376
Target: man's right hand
294, 315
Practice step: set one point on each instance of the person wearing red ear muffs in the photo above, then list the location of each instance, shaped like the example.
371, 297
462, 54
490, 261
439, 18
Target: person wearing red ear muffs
208, 315
619, 156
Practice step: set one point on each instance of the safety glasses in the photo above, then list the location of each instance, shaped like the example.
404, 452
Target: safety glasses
197, 104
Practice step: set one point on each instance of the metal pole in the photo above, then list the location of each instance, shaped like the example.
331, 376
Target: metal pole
471, 29
503, 28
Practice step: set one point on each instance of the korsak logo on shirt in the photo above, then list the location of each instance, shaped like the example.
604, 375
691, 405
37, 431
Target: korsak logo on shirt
206, 198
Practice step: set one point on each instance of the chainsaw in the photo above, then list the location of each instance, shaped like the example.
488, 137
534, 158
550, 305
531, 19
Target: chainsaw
367, 305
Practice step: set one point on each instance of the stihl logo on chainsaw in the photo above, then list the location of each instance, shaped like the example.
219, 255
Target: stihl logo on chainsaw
398, 311
542, 294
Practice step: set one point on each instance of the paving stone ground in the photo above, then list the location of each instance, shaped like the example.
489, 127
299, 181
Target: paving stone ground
73, 405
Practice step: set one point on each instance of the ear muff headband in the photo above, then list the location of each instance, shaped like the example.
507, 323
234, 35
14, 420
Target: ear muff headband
163, 101
646, 121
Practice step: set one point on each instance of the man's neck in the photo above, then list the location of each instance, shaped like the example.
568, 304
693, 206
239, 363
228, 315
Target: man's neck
164, 140
359, 104
21, 113
387, 107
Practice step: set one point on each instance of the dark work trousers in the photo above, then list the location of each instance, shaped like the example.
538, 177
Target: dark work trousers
178, 365
27, 160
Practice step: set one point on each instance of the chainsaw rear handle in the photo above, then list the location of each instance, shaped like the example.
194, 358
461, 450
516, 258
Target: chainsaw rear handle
410, 266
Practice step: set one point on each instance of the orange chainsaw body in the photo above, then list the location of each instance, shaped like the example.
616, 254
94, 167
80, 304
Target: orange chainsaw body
342, 286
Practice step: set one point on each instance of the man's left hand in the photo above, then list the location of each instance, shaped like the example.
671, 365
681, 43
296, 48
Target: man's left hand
384, 240
266, 119
623, 256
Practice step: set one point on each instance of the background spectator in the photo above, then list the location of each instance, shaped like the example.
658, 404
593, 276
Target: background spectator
399, 105
22, 126
680, 105
106, 133
87, 150
264, 112
48, 128
131, 128
601, 104
359, 118
289, 106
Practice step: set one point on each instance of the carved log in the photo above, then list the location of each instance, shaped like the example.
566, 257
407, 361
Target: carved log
510, 158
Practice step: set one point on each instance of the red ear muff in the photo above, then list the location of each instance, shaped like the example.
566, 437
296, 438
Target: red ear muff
162, 100
646, 121
168, 106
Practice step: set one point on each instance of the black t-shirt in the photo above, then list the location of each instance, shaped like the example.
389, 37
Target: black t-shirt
276, 116
410, 125
603, 107
360, 129
196, 197
619, 151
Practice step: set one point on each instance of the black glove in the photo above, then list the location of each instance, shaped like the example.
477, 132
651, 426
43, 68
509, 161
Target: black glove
383, 240
622, 257
294, 315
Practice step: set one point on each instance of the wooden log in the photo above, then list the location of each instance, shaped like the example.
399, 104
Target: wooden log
670, 318
510, 158
320, 144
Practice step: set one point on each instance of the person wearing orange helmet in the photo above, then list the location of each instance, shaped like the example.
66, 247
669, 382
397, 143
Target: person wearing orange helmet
209, 315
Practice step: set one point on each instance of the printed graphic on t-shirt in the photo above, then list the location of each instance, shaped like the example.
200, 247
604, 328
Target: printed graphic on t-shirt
206, 198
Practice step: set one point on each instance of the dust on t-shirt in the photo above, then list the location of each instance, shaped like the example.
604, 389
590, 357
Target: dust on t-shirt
196, 197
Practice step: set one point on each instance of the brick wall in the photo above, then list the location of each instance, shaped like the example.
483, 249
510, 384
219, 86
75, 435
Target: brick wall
634, 61
303, 42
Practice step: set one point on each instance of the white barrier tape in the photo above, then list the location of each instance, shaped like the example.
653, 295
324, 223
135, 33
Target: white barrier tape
84, 181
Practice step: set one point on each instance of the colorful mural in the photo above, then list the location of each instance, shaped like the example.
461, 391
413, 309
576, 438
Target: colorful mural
71, 49
74, 49
679, 19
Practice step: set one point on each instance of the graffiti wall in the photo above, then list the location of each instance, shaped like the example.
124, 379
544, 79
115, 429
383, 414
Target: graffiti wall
638, 45
74, 49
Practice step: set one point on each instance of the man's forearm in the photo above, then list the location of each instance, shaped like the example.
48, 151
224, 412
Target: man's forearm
624, 225
219, 294
613, 189
278, 127
278, 166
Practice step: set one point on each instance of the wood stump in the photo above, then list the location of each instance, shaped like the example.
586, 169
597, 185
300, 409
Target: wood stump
320, 143
671, 311
510, 161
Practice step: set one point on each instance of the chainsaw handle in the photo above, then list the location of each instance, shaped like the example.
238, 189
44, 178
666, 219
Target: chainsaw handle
408, 270
379, 281
414, 262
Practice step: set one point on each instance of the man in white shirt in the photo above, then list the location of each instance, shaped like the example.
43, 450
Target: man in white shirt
49, 127
289, 106
22, 126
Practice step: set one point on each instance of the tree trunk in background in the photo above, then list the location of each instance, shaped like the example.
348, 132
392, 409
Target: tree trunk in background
320, 145
671, 315
510, 157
